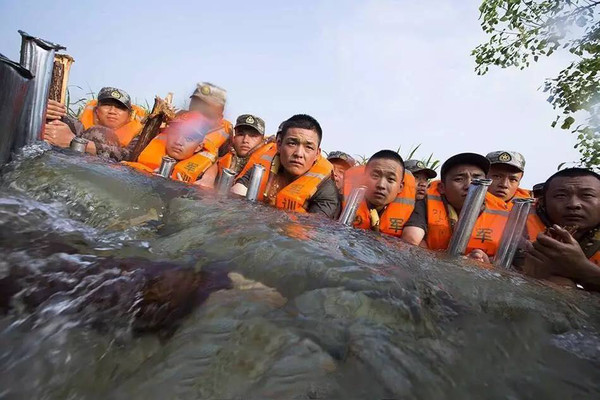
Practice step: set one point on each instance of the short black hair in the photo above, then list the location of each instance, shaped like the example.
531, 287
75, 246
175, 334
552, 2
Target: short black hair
301, 121
388, 155
569, 172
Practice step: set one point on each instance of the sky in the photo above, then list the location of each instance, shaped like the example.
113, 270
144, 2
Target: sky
376, 74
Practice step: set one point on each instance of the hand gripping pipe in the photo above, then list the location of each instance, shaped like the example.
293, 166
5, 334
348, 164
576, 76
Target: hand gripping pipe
468, 216
166, 167
225, 181
513, 232
356, 197
14, 86
257, 173
37, 55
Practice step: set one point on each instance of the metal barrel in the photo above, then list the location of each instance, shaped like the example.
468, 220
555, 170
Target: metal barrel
78, 144
513, 232
468, 216
37, 55
14, 86
166, 166
356, 197
225, 181
257, 174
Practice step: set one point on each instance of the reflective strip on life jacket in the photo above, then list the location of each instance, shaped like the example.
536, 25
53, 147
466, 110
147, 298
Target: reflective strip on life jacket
486, 232
125, 133
395, 215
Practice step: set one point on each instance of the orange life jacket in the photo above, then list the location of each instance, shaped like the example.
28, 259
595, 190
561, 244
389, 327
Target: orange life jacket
227, 159
294, 196
486, 232
395, 215
124, 133
522, 194
188, 170
535, 226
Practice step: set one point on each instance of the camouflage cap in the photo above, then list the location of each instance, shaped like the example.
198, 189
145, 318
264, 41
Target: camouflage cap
509, 158
252, 121
415, 166
211, 93
340, 155
111, 93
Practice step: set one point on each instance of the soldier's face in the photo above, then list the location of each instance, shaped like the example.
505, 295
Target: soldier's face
456, 183
505, 181
245, 140
298, 150
574, 201
384, 181
214, 112
339, 168
183, 143
422, 184
112, 114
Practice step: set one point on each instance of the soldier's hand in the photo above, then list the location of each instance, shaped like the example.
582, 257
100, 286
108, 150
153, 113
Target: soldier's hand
57, 133
55, 110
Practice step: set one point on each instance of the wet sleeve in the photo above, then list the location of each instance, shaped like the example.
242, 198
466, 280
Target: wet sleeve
245, 180
326, 200
418, 218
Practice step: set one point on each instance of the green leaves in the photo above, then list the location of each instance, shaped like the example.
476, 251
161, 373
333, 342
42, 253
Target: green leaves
524, 30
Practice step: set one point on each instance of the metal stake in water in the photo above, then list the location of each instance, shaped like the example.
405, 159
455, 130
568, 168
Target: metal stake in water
513, 232
356, 197
468, 216
78, 144
166, 166
257, 173
37, 55
225, 181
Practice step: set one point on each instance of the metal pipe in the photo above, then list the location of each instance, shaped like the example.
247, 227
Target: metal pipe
513, 232
14, 83
37, 55
356, 197
468, 216
257, 173
225, 181
166, 166
78, 144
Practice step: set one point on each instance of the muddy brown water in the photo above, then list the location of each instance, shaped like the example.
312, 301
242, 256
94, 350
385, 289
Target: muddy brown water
118, 285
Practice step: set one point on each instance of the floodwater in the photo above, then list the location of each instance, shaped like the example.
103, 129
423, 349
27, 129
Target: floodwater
119, 285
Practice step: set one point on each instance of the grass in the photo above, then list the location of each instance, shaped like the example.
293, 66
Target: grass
430, 162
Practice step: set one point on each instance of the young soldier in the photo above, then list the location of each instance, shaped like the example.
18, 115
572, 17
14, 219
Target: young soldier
184, 141
297, 177
506, 172
390, 193
112, 109
422, 176
434, 217
341, 163
248, 138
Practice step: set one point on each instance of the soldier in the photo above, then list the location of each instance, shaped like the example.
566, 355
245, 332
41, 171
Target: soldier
422, 176
341, 162
506, 172
249, 138
209, 100
389, 196
433, 220
566, 230
112, 109
297, 177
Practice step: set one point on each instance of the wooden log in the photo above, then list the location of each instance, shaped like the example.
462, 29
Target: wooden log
162, 112
60, 77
